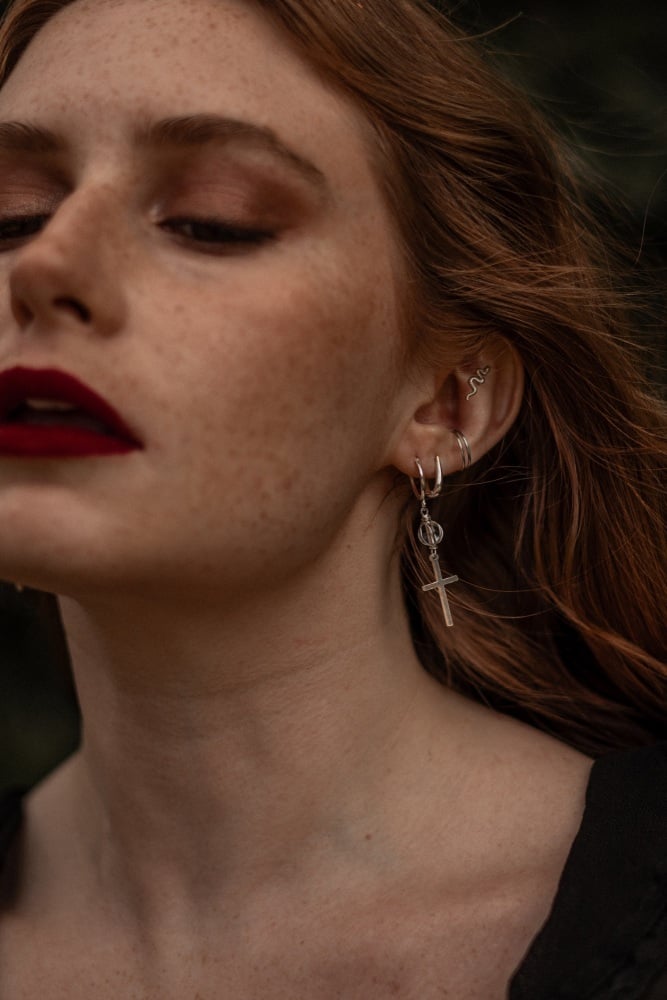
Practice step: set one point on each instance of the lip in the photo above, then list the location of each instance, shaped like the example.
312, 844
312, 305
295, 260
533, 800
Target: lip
51, 441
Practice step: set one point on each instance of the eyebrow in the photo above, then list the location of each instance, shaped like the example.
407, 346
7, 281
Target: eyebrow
189, 131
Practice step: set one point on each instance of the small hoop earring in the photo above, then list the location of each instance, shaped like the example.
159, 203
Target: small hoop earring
423, 490
464, 447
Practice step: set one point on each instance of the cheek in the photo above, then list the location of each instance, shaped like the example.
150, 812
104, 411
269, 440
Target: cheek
305, 362
271, 409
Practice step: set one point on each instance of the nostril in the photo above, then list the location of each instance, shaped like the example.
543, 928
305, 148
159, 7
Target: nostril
21, 313
80, 310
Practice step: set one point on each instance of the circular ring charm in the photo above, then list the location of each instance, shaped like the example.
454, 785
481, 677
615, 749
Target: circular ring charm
431, 533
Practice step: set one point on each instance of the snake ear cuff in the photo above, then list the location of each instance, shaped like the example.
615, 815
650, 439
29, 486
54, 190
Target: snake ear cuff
431, 534
479, 378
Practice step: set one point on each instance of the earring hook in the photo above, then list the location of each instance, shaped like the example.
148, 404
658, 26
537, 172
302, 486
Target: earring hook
424, 491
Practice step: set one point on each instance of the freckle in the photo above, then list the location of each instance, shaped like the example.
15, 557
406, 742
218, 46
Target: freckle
369, 836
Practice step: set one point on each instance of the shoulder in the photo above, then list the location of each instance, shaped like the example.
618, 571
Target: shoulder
529, 789
606, 936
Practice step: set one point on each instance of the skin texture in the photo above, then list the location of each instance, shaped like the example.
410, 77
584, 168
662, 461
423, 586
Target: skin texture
259, 339
264, 761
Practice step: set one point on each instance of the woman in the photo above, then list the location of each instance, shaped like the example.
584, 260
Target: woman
267, 268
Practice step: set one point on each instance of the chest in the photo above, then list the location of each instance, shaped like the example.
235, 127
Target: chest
464, 951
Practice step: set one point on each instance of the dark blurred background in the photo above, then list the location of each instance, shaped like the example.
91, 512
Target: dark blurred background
599, 71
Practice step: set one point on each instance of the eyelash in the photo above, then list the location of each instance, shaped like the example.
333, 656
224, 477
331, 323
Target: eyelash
230, 232
226, 232
12, 221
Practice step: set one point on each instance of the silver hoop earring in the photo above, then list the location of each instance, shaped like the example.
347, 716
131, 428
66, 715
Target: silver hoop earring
423, 490
431, 534
464, 447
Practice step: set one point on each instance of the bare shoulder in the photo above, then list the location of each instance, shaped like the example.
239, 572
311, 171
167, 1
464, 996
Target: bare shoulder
530, 789
521, 751
461, 921
520, 811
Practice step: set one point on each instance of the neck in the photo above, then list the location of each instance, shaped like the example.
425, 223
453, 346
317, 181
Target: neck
227, 746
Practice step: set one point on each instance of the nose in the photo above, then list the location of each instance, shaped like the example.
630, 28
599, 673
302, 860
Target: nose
67, 275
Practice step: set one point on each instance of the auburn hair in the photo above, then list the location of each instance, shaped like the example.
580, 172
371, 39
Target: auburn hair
557, 535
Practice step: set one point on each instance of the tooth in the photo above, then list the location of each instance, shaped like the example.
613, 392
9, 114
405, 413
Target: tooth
49, 404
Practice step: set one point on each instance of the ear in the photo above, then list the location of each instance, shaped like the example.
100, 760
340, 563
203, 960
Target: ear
482, 404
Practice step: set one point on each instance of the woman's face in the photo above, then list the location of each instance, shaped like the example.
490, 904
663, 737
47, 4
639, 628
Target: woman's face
260, 375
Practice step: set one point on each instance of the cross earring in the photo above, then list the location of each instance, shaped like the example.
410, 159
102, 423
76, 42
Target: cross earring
431, 534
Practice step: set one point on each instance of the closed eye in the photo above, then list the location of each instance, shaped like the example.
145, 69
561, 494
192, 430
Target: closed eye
15, 228
213, 231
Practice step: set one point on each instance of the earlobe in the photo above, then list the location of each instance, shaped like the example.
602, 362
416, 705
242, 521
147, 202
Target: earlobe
471, 410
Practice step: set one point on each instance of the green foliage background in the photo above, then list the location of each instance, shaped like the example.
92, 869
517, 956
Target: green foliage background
599, 70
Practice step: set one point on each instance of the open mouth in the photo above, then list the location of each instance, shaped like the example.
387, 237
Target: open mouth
54, 413
50, 413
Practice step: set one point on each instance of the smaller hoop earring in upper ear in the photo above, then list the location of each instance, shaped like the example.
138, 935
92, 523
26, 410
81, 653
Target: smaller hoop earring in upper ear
464, 447
423, 490
478, 379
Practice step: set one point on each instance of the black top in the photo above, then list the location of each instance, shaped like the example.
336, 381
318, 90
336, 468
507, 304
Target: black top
606, 935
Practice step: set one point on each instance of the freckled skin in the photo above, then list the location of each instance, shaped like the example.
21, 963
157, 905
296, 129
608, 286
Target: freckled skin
264, 760
262, 382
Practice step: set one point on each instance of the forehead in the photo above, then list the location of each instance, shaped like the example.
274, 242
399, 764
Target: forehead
114, 63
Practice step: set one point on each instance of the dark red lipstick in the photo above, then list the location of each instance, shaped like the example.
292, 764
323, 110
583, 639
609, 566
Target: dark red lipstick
46, 413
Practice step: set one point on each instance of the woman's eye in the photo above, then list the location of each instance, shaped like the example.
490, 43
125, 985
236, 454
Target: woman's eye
212, 231
209, 232
19, 226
